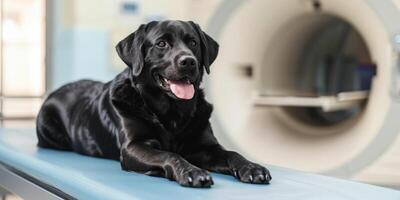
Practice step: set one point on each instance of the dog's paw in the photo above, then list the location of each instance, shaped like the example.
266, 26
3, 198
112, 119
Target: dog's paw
252, 173
195, 177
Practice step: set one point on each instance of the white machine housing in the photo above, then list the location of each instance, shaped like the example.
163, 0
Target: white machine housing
270, 37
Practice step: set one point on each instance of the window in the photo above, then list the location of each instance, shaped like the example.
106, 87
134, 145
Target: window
22, 60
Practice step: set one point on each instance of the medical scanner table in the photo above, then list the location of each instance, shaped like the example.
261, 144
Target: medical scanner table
35, 173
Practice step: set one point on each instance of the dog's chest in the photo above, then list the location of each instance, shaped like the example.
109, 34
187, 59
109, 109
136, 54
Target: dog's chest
173, 127
174, 124
175, 117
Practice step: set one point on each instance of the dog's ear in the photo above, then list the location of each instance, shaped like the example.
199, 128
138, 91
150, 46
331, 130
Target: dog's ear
131, 50
209, 47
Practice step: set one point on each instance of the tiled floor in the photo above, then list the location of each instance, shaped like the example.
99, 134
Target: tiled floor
12, 197
4, 195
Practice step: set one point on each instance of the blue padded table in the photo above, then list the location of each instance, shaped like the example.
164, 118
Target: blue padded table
50, 174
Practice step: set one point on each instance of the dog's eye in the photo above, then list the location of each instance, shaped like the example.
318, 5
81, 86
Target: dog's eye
193, 43
161, 44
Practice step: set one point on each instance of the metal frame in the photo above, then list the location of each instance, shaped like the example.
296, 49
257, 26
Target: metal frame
49, 20
24, 188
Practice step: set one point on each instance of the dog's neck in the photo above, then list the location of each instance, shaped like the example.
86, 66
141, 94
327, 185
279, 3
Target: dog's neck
174, 114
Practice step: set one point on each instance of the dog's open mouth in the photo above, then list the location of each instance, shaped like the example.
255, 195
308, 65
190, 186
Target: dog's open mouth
183, 88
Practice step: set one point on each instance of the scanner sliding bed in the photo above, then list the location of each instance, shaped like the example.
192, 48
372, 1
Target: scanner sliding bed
36, 173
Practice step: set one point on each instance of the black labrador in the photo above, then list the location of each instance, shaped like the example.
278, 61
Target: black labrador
153, 116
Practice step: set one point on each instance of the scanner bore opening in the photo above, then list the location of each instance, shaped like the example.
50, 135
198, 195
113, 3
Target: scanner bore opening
335, 59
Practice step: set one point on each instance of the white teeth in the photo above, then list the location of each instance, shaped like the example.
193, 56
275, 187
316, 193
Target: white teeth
166, 80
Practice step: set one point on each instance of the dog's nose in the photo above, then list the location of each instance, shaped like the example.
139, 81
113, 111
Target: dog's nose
187, 61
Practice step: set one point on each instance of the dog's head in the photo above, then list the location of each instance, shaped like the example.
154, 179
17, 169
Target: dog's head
169, 55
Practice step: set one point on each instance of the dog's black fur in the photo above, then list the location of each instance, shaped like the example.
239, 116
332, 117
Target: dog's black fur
137, 120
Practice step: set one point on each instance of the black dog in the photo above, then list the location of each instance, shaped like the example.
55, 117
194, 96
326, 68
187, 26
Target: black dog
153, 116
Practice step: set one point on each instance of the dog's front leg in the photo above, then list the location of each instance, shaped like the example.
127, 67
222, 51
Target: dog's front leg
143, 158
215, 158
210, 155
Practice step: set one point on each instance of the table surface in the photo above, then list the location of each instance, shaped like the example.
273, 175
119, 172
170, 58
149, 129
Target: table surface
85, 177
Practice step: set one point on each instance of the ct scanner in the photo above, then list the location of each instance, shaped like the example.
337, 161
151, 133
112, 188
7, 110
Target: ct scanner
309, 84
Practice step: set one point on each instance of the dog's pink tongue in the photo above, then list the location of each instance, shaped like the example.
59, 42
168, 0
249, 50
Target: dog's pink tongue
182, 90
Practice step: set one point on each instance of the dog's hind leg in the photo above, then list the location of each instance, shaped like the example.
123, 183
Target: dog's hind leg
50, 130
